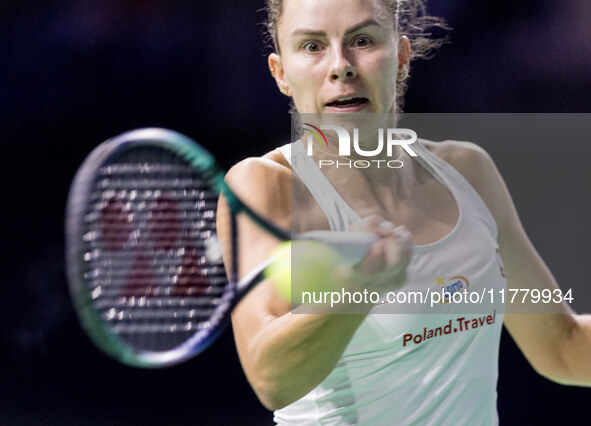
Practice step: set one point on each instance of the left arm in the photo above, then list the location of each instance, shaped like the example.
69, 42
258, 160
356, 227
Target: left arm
557, 345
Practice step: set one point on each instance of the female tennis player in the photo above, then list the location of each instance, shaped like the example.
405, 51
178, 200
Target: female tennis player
349, 57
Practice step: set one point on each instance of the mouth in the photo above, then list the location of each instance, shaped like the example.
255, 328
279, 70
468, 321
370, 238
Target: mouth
346, 103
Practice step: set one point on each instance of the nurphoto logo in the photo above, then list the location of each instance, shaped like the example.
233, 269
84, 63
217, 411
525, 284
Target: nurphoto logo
380, 156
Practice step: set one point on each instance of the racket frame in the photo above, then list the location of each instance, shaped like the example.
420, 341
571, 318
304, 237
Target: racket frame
78, 200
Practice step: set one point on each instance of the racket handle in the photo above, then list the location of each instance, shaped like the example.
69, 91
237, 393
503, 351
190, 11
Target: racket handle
352, 246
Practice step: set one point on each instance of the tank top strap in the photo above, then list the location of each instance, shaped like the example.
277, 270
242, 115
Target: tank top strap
466, 196
338, 212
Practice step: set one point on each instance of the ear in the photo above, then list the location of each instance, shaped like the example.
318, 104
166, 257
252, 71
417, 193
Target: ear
403, 53
278, 73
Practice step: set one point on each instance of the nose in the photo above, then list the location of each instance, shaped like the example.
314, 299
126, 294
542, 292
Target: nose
341, 69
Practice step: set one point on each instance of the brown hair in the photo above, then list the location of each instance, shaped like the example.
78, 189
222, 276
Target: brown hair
411, 20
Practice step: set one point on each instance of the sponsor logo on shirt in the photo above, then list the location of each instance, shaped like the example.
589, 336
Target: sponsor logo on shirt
450, 286
453, 326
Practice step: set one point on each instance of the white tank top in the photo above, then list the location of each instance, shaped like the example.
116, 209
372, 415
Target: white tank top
415, 369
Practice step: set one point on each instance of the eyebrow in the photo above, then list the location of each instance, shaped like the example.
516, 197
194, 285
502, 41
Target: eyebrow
366, 23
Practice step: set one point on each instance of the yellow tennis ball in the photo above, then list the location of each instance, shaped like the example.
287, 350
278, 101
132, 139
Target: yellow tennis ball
279, 272
302, 266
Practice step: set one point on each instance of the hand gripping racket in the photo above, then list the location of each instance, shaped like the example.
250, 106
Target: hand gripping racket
143, 260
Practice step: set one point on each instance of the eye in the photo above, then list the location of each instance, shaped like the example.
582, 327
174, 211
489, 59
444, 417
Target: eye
362, 41
312, 46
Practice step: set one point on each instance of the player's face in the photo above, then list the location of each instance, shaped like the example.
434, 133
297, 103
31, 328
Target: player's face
337, 56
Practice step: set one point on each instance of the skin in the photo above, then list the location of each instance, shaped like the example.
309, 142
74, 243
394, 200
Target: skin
355, 53
271, 342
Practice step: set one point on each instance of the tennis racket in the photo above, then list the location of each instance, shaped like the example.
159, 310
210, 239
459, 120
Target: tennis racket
144, 263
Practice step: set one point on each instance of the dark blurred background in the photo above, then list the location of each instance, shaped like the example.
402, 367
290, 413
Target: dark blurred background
73, 73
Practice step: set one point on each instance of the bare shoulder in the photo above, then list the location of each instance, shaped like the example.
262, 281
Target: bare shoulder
264, 183
271, 165
466, 157
477, 166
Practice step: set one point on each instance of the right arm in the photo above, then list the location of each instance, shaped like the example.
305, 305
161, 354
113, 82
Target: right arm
284, 355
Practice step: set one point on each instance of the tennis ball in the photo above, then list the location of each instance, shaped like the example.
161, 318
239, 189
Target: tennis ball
280, 270
302, 266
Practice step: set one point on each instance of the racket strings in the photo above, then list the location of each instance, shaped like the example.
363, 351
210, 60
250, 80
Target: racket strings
147, 262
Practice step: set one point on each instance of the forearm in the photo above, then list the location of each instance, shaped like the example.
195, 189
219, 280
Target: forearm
294, 353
